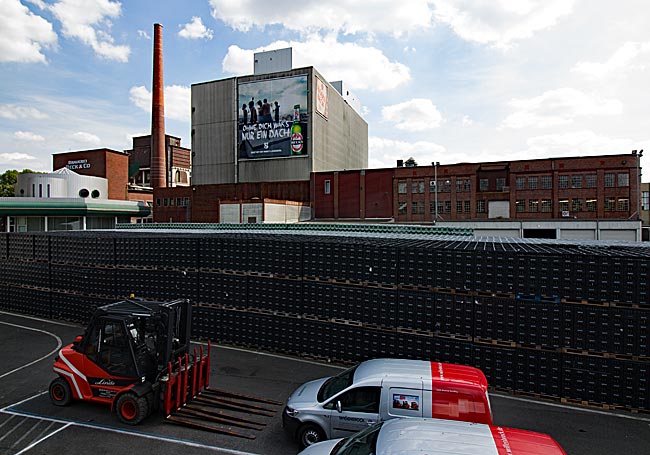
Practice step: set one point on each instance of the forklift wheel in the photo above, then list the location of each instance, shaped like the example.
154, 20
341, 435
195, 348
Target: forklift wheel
132, 409
60, 392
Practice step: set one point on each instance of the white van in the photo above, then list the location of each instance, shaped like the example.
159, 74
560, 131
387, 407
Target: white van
382, 389
442, 437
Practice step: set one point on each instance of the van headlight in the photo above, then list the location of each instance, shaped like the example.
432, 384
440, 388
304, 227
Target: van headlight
291, 412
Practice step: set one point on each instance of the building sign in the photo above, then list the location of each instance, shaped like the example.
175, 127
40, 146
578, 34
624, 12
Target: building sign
321, 98
272, 119
74, 165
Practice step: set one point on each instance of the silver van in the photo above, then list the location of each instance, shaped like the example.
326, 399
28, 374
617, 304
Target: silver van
442, 437
382, 389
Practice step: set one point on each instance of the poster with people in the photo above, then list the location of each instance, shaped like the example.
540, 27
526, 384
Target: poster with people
272, 120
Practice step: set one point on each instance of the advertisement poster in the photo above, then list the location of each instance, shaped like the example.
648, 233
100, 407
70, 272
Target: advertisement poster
272, 119
406, 402
321, 98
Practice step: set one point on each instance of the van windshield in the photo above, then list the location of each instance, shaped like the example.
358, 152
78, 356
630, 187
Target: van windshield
362, 443
335, 384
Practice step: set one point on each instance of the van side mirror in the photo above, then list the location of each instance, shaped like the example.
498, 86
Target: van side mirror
339, 408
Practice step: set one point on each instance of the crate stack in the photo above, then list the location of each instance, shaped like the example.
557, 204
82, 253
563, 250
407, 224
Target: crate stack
563, 320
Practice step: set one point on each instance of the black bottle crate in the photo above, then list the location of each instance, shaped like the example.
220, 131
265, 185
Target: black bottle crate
41, 247
76, 307
4, 238
317, 299
454, 315
591, 327
380, 264
349, 262
539, 372
495, 318
30, 301
5, 299
316, 338
628, 331
416, 310
383, 344
587, 378
21, 246
262, 294
499, 365
318, 259
32, 274
630, 387
452, 351
541, 323
415, 346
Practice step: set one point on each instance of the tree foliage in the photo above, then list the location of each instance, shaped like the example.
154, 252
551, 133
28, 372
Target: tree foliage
8, 181
410, 162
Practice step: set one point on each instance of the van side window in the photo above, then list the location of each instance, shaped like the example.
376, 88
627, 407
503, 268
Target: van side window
360, 399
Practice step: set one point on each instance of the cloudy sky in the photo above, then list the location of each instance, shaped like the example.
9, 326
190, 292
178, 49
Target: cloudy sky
439, 80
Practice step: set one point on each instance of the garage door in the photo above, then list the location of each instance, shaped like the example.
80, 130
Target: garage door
618, 234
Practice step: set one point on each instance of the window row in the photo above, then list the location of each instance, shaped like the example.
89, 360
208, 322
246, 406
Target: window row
171, 202
611, 204
418, 186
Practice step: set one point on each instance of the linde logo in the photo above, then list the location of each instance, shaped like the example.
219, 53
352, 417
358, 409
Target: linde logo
504, 440
78, 164
105, 382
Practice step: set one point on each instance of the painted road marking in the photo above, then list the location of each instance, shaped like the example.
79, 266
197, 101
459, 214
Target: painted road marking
58, 340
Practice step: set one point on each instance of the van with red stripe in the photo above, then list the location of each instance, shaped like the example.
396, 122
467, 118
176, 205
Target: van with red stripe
382, 389
440, 437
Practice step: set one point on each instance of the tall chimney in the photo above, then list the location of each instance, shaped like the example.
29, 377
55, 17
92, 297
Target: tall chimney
158, 152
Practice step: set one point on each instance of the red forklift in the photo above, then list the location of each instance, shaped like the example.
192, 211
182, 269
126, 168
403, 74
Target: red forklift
135, 356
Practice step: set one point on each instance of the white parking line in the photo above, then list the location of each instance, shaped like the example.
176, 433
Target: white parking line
34, 318
35, 443
58, 346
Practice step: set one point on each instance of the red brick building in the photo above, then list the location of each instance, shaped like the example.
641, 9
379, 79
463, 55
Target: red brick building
589, 188
106, 163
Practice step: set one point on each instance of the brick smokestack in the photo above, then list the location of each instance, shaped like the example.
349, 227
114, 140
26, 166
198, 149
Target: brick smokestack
158, 152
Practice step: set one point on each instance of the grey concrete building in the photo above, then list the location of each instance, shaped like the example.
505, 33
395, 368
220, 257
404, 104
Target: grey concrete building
272, 127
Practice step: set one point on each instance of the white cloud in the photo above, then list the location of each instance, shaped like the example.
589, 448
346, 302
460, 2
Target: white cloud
558, 107
9, 158
28, 136
467, 121
143, 34
177, 101
195, 30
370, 16
86, 138
23, 35
631, 56
578, 143
417, 114
362, 68
384, 152
500, 22
82, 19
13, 112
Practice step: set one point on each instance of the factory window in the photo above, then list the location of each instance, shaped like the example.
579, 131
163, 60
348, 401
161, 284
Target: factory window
401, 187
402, 208
186, 202
520, 183
418, 208
468, 185
609, 180
533, 205
576, 181
459, 206
446, 186
623, 205
171, 201
483, 184
459, 186
432, 186
590, 181
417, 186
645, 200
94, 194
468, 206
179, 202
447, 206
547, 182
441, 207
623, 179
532, 183
563, 205
591, 205
576, 205
49, 194
547, 206
563, 181
83, 192
480, 206
327, 187
501, 182
165, 202
610, 203
520, 205
432, 207
157, 202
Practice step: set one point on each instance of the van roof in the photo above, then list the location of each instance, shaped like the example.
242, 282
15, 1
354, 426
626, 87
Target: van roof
452, 437
438, 373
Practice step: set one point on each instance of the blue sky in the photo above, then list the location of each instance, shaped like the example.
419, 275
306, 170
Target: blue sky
439, 80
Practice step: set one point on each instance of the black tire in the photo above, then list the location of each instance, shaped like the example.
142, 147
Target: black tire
132, 409
309, 434
60, 392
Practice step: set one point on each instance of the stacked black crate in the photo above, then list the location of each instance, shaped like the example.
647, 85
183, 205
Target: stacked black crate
415, 311
317, 298
591, 326
379, 266
382, 306
538, 372
628, 332
541, 323
498, 363
454, 316
588, 379
495, 320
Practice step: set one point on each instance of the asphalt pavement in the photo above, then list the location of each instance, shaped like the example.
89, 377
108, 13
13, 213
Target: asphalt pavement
30, 424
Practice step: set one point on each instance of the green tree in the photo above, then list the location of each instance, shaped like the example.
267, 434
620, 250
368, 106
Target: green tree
410, 162
8, 181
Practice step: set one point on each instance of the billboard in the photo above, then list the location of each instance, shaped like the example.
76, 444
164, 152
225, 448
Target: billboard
272, 119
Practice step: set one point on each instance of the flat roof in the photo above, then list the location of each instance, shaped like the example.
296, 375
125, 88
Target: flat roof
29, 206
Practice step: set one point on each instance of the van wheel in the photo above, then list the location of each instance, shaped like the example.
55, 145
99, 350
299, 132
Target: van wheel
310, 434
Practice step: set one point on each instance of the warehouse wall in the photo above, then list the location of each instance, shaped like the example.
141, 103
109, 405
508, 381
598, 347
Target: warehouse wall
559, 320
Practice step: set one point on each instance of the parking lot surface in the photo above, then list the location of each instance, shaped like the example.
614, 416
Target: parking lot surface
29, 423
